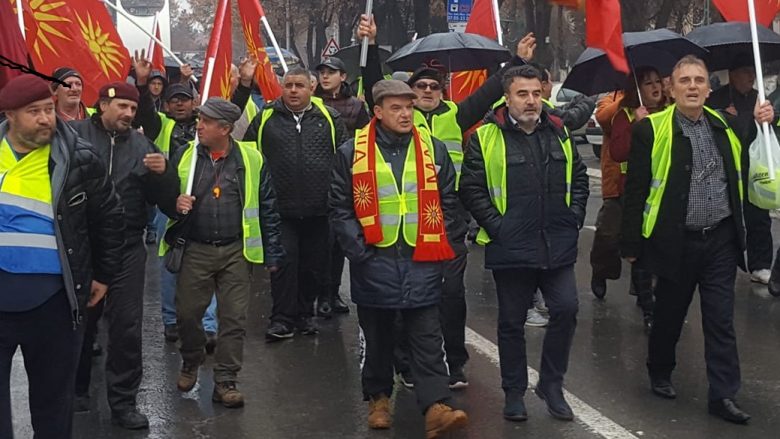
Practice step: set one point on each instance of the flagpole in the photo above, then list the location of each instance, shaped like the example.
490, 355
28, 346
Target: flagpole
273, 42
150, 51
760, 84
364, 47
20, 16
498, 22
206, 86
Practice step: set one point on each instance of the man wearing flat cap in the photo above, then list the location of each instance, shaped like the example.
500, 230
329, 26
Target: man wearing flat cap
141, 175
393, 208
227, 223
67, 98
61, 236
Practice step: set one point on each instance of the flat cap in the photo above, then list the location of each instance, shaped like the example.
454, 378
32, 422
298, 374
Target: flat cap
22, 91
119, 90
221, 109
333, 63
426, 73
178, 90
392, 87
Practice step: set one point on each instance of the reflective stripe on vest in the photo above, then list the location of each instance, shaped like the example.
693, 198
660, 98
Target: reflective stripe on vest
317, 102
661, 162
631, 117
28, 243
253, 164
491, 141
445, 127
399, 209
163, 140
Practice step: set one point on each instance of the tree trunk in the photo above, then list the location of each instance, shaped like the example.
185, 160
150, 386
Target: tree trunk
664, 13
422, 17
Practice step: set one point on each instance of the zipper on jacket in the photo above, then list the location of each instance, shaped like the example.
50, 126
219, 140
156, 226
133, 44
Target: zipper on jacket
111, 154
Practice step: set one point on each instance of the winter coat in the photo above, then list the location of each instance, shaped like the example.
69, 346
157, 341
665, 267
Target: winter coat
353, 110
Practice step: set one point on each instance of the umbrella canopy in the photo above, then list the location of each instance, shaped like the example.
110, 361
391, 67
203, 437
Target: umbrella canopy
726, 41
351, 57
451, 51
661, 48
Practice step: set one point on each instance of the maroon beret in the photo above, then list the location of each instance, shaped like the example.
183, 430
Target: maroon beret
119, 90
22, 91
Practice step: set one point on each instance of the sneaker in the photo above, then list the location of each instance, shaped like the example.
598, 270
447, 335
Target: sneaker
760, 276
441, 418
171, 333
211, 343
458, 379
131, 419
535, 319
227, 394
379, 417
278, 331
406, 379
306, 326
188, 376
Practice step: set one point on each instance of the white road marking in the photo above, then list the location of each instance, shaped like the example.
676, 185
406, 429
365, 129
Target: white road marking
586, 415
595, 173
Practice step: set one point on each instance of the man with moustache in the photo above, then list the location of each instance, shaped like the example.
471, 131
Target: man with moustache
61, 235
141, 175
67, 98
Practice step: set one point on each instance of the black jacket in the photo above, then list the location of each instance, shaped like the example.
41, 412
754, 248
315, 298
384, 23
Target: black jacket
662, 252
387, 278
122, 154
353, 110
89, 227
538, 229
576, 113
149, 119
273, 252
300, 162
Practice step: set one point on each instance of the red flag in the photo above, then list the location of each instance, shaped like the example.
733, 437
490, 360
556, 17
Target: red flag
737, 10
12, 44
605, 31
77, 33
155, 50
482, 21
251, 13
221, 50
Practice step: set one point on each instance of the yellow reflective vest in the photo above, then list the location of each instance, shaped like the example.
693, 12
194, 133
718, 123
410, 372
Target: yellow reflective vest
445, 127
317, 102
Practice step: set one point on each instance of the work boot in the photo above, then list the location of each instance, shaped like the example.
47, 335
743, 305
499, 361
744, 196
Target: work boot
379, 417
599, 287
227, 394
211, 343
441, 418
171, 333
130, 419
188, 376
338, 305
514, 407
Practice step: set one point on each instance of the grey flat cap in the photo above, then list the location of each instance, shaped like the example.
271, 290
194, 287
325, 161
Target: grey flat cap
221, 109
392, 87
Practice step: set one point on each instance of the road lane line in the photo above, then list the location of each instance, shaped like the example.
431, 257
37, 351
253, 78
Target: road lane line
586, 415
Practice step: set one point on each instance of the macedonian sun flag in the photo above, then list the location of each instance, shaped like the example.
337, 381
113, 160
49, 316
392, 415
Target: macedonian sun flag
251, 13
482, 21
220, 52
78, 34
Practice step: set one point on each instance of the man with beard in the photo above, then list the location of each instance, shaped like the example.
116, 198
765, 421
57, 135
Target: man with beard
141, 175
52, 267
67, 98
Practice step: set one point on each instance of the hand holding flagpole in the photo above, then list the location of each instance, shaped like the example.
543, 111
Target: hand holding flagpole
760, 84
364, 47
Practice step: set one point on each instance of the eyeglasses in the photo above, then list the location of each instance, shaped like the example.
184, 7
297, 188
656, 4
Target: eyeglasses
434, 86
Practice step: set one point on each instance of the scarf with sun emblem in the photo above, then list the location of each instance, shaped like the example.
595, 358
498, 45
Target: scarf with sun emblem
432, 243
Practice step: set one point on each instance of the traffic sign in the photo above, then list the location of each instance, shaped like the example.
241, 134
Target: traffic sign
330, 49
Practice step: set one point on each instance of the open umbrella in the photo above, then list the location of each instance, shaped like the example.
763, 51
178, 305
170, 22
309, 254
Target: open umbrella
661, 48
351, 57
451, 51
725, 41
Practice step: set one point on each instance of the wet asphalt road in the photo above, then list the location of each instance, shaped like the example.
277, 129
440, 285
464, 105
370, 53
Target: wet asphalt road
309, 387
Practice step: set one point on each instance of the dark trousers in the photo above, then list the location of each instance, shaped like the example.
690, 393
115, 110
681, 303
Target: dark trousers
123, 314
304, 276
759, 237
204, 270
336, 268
84, 373
426, 355
515, 289
50, 347
709, 263
452, 312
605, 253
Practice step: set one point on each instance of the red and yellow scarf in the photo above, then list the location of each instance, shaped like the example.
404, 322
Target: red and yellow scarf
432, 243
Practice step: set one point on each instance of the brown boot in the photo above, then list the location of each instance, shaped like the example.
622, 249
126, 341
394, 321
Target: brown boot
441, 418
379, 413
188, 376
228, 395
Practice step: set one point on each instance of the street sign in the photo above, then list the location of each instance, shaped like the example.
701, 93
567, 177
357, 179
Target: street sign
458, 10
330, 49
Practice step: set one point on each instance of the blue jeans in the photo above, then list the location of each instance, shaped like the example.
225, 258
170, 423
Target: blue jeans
168, 289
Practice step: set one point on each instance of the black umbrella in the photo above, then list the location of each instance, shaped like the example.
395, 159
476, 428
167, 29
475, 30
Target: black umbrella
661, 48
451, 51
351, 57
725, 41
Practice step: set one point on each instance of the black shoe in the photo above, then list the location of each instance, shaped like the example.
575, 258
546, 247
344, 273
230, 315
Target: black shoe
458, 379
151, 237
556, 403
81, 404
728, 409
171, 333
324, 309
648, 323
306, 326
338, 305
97, 350
211, 343
278, 331
131, 420
599, 287
514, 407
663, 388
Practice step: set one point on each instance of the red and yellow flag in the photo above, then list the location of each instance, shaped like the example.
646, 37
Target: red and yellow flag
482, 21
737, 10
251, 13
221, 50
155, 51
12, 45
76, 33
604, 30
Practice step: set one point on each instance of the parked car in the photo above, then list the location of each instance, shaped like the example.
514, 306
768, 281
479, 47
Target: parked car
594, 135
562, 96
